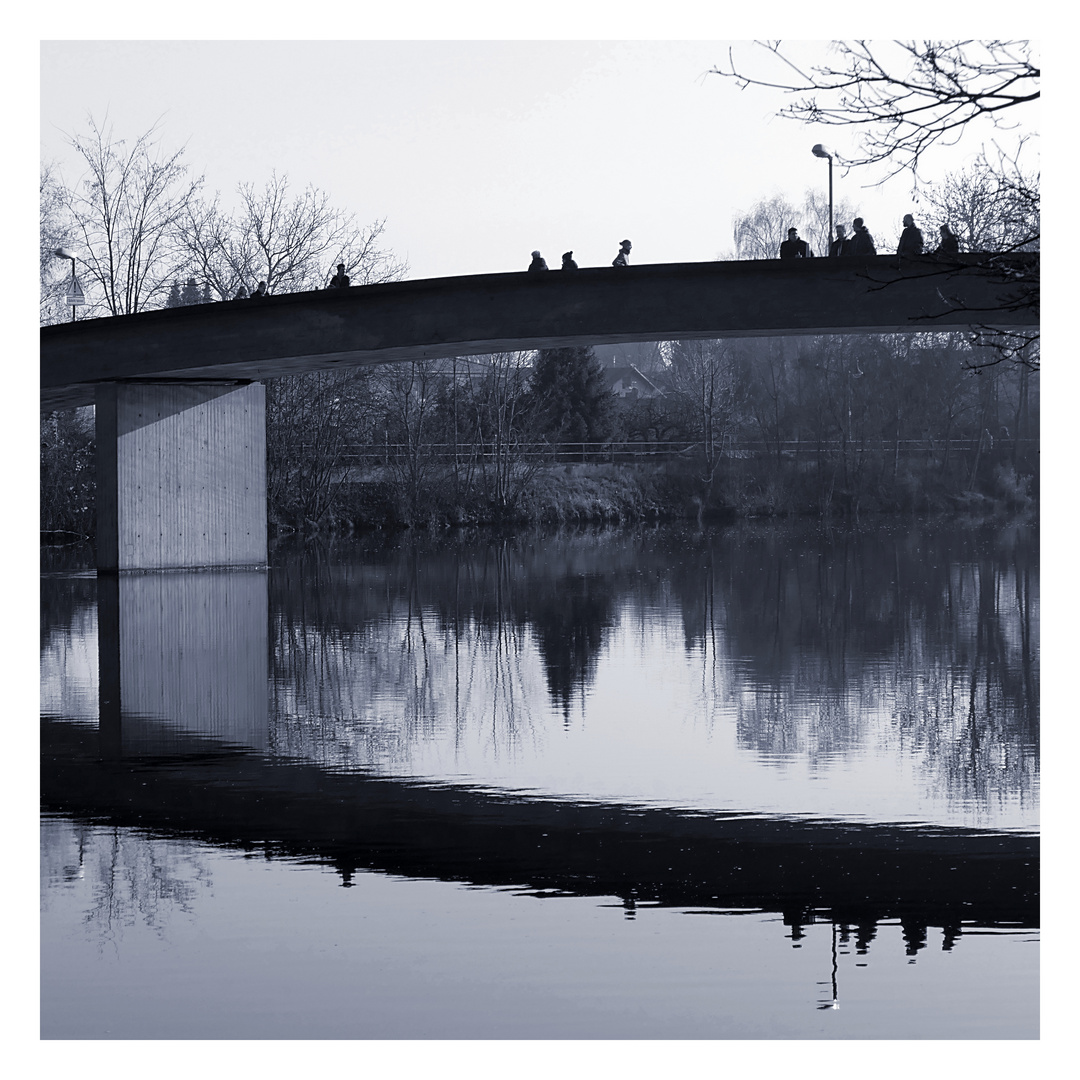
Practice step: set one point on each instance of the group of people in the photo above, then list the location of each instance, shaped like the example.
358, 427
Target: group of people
862, 243
540, 263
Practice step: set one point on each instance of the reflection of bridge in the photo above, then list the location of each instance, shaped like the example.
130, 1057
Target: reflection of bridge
181, 426
231, 796
183, 724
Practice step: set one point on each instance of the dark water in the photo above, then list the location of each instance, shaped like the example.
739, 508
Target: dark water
763, 782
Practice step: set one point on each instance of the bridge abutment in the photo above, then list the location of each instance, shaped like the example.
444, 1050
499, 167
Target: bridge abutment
181, 475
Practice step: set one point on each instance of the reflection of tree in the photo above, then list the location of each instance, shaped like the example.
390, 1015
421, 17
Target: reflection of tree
569, 616
825, 643
933, 629
132, 877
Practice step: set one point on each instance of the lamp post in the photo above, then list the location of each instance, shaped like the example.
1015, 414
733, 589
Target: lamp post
75, 297
824, 152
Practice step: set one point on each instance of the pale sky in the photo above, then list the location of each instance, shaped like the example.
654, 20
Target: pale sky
476, 152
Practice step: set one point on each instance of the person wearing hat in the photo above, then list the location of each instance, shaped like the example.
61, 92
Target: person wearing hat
793, 247
911, 241
623, 258
537, 262
568, 261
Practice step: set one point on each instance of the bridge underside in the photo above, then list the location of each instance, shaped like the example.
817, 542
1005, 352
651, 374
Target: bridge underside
181, 411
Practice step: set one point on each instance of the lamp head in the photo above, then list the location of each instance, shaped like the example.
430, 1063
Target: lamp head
63, 253
821, 151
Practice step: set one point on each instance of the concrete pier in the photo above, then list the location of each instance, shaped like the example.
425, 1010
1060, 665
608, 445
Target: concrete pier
182, 656
181, 475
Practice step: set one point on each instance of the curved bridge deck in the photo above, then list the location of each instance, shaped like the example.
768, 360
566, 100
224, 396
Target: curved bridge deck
460, 316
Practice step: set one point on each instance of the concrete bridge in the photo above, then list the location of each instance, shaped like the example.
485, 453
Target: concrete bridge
181, 415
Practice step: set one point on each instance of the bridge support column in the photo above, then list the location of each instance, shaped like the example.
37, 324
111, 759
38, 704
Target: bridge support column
181, 475
183, 661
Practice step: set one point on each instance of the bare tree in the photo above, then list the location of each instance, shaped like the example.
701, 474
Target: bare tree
410, 391
311, 420
905, 97
703, 376
124, 213
759, 232
55, 233
292, 242
989, 209
504, 427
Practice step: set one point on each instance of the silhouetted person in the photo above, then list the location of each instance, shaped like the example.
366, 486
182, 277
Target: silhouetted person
793, 247
340, 280
862, 243
241, 293
623, 258
842, 244
949, 244
911, 241
568, 261
260, 291
537, 263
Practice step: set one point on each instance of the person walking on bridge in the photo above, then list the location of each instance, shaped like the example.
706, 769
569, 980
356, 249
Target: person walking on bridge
340, 280
911, 241
794, 248
842, 244
862, 243
537, 263
568, 261
623, 258
950, 244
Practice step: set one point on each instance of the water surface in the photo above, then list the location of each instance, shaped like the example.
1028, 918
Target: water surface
746, 782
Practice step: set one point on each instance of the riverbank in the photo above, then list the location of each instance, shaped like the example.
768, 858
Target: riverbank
590, 493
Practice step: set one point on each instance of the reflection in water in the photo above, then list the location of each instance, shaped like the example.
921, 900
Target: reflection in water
727, 669
126, 877
736, 721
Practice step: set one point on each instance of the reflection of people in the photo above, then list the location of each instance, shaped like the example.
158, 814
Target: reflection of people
842, 244
949, 245
793, 247
340, 280
911, 241
568, 261
862, 243
623, 258
537, 262
260, 291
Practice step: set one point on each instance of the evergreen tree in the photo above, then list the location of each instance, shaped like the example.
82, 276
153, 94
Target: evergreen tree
190, 295
174, 296
570, 394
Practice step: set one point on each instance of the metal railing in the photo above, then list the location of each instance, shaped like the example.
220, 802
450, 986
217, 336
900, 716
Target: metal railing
629, 451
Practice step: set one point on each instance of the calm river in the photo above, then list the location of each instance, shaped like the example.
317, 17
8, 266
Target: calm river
746, 782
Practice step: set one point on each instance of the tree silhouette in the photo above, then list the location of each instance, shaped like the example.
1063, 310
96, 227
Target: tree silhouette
569, 392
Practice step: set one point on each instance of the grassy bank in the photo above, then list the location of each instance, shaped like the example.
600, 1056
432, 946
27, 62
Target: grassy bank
603, 493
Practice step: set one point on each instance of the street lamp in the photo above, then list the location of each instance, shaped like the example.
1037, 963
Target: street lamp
823, 151
75, 297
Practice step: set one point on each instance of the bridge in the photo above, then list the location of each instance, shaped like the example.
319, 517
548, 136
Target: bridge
181, 413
